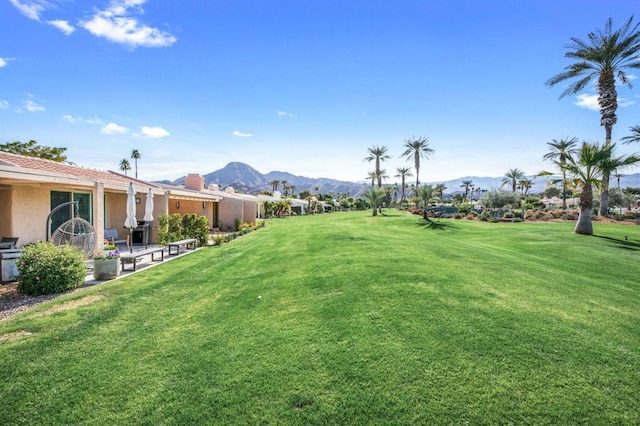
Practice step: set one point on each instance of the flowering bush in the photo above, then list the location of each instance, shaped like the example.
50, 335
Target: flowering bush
108, 252
46, 269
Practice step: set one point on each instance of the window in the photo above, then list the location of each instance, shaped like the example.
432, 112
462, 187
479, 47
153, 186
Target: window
84, 207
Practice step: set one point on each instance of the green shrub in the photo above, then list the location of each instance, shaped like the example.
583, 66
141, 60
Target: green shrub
195, 226
47, 269
170, 228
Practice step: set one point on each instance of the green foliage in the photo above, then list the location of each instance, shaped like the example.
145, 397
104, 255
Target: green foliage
174, 227
465, 207
195, 226
237, 223
32, 149
47, 269
170, 228
108, 252
496, 199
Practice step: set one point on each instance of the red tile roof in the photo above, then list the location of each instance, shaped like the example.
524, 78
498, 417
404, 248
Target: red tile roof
53, 167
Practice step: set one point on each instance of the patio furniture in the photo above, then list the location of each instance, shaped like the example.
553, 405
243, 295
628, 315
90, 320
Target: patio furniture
188, 244
136, 256
111, 235
8, 268
8, 243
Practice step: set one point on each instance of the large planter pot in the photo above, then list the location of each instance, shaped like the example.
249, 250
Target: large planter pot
106, 269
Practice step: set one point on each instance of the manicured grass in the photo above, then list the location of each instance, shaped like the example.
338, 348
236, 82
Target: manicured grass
346, 319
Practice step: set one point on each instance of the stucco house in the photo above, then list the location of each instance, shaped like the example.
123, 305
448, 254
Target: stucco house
31, 187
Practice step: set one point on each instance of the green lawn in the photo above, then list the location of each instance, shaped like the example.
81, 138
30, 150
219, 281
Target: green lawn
346, 319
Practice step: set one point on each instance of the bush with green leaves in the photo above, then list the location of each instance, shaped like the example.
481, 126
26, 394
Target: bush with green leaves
196, 226
170, 228
47, 269
499, 198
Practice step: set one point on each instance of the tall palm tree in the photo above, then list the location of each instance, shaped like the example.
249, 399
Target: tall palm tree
403, 174
274, 185
417, 148
466, 184
377, 154
135, 156
604, 57
512, 177
588, 167
125, 166
560, 152
285, 187
633, 137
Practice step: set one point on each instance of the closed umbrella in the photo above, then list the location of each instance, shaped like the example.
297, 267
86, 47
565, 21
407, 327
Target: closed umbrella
148, 216
131, 221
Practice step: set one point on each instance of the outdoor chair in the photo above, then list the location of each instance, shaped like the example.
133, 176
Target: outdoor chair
111, 237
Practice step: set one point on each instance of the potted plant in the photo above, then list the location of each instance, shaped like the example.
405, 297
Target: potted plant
105, 265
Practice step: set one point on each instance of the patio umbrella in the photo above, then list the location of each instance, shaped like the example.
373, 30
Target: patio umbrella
131, 222
148, 207
148, 216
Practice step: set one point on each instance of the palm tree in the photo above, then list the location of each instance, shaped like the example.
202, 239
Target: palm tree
375, 197
372, 175
512, 177
560, 152
466, 184
605, 57
439, 189
633, 137
285, 187
274, 184
125, 166
588, 167
135, 155
417, 148
377, 153
525, 184
403, 174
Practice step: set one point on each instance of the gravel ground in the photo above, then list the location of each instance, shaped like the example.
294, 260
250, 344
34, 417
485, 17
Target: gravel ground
12, 302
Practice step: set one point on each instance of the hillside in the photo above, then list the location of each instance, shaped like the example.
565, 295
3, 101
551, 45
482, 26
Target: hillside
245, 178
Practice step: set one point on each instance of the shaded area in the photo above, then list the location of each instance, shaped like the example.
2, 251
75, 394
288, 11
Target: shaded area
430, 224
621, 243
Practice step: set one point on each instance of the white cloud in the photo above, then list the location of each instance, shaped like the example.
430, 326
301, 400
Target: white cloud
63, 26
31, 105
74, 120
242, 135
285, 114
588, 102
117, 24
31, 9
113, 128
4, 104
4, 62
154, 132
591, 102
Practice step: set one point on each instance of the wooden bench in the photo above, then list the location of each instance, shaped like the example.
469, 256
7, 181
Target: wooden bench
136, 256
188, 244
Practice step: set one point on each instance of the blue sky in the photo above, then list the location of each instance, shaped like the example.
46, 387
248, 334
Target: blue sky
300, 86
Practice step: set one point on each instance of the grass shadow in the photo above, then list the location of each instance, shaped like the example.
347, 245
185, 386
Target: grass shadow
623, 244
431, 224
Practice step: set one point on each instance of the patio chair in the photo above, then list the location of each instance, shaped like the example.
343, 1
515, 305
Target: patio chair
8, 242
111, 236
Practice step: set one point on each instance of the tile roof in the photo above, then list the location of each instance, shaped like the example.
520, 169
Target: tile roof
53, 167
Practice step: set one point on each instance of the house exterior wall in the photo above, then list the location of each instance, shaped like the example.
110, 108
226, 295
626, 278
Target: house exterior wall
6, 220
30, 207
230, 209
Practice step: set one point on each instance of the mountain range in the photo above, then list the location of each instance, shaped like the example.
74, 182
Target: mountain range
245, 178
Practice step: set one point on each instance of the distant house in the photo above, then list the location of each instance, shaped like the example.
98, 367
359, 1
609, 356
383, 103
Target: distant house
31, 187
555, 203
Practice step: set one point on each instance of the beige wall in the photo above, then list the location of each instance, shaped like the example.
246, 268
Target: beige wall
6, 221
30, 208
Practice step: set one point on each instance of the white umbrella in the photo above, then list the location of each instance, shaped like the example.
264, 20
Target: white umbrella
148, 216
148, 207
131, 221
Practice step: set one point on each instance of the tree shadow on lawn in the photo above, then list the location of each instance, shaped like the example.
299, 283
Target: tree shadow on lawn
620, 243
431, 224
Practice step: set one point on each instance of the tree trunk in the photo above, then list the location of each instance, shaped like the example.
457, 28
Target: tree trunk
604, 195
584, 225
